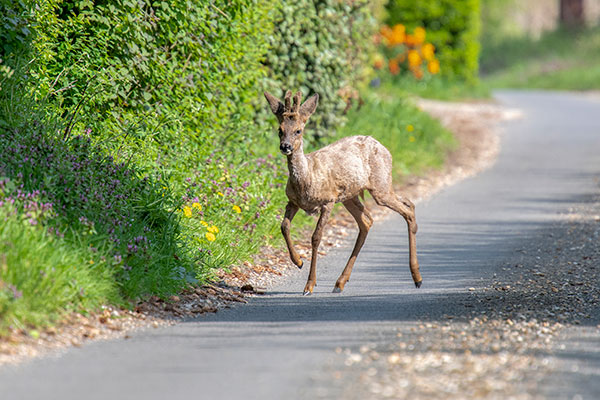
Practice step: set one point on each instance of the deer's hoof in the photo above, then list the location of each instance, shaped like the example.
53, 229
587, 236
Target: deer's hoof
418, 284
337, 290
300, 265
307, 293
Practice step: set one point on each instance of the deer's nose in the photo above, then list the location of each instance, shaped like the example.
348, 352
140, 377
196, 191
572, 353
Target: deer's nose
286, 149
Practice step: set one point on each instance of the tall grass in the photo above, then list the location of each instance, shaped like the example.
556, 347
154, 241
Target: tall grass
42, 276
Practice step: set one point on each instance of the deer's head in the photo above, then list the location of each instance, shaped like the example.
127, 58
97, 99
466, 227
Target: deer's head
292, 119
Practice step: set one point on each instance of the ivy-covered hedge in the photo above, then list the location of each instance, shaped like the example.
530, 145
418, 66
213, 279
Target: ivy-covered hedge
321, 46
451, 25
154, 79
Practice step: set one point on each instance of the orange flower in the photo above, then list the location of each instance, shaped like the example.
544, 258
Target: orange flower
417, 73
398, 34
386, 32
433, 67
414, 59
419, 35
378, 63
394, 67
427, 50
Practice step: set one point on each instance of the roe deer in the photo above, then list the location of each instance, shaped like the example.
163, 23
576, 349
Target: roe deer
339, 172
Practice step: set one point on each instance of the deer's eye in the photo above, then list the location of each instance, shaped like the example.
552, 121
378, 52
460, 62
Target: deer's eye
298, 132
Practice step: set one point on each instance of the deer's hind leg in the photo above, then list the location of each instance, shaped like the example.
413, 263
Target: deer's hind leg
365, 221
405, 208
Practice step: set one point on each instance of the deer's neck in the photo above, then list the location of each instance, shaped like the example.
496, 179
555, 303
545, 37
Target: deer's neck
299, 170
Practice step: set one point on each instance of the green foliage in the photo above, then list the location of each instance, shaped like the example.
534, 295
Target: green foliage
497, 23
451, 25
231, 212
156, 80
435, 88
320, 46
42, 276
127, 217
417, 142
14, 29
561, 59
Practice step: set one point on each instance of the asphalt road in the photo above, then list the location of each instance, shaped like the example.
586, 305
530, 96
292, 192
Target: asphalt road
276, 347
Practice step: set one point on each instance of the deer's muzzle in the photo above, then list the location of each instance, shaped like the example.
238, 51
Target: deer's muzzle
286, 149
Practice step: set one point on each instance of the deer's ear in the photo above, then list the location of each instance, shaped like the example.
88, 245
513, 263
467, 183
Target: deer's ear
309, 106
275, 104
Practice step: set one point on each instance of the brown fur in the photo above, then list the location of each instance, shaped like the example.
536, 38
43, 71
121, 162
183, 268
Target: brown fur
340, 172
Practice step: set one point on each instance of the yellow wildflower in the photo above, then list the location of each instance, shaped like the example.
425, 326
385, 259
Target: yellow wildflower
433, 67
410, 128
237, 209
220, 194
419, 35
91, 261
203, 223
411, 139
197, 206
213, 229
210, 237
187, 211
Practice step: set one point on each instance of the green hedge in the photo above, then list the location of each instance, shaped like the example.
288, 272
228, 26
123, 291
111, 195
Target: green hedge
321, 46
160, 80
451, 25
156, 80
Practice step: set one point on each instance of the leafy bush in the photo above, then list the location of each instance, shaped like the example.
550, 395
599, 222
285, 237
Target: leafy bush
451, 25
320, 46
156, 80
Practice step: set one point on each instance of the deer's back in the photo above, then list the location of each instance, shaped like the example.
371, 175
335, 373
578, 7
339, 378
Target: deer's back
342, 170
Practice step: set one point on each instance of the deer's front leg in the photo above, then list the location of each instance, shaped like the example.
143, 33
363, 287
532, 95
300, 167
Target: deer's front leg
316, 241
290, 211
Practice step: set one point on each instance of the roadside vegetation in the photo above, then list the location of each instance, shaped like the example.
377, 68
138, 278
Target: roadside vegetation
563, 59
514, 55
137, 155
